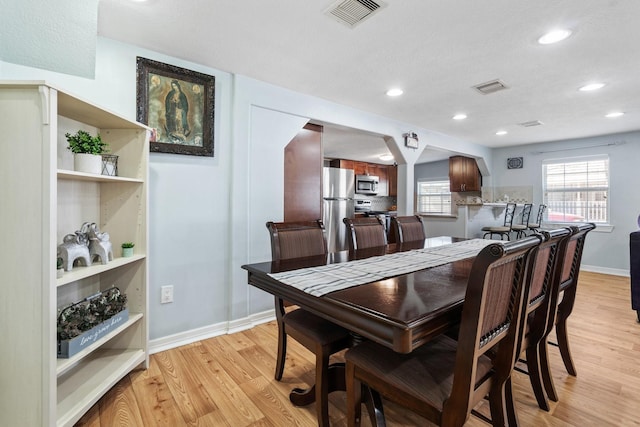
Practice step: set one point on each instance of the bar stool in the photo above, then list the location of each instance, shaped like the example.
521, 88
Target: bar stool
505, 229
521, 228
536, 225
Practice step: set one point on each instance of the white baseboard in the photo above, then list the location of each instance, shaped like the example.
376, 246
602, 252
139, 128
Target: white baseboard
188, 337
605, 270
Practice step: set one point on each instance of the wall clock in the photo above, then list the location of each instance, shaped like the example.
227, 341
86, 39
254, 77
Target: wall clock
514, 163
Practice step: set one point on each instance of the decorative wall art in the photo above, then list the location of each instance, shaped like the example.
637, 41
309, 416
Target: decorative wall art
515, 163
179, 105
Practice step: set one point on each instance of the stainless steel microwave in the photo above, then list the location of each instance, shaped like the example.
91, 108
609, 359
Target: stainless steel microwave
367, 184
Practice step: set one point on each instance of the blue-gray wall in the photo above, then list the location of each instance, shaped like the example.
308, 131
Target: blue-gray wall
605, 250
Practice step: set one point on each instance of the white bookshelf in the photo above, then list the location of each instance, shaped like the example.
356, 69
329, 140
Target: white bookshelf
43, 199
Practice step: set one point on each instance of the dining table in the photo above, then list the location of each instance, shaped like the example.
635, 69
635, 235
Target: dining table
400, 295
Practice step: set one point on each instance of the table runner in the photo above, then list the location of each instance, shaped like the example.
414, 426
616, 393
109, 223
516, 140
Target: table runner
323, 279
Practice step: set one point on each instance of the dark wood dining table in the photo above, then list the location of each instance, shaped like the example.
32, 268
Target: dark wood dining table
401, 312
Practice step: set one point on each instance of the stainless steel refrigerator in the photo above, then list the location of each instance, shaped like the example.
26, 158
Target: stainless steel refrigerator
338, 190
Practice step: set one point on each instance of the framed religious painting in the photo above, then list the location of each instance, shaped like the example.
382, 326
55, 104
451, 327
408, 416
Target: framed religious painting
178, 104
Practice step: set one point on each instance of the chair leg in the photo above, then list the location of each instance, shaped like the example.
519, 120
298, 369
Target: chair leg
282, 351
535, 377
545, 370
322, 386
497, 403
354, 397
563, 344
512, 416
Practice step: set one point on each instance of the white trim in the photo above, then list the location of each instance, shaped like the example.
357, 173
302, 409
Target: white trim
206, 332
605, 270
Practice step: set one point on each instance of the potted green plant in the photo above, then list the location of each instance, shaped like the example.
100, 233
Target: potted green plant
87, 150
127, 249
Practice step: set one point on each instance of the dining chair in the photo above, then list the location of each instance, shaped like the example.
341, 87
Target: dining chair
408, 228
567, 273
505, 228
523, 225
534, 226
542, 295
365, 232
444, 379
290, 240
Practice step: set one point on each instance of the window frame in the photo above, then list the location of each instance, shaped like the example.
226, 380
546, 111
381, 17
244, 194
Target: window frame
585, 189
443, 183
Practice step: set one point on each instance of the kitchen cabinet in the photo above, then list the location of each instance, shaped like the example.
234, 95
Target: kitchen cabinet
464, 174
387, 175
43, 199
342, 164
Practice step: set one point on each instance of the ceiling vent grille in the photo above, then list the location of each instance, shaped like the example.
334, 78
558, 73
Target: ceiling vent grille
490, 87
532, 123
352, 12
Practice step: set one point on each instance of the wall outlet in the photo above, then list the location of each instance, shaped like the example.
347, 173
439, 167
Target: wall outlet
166, 294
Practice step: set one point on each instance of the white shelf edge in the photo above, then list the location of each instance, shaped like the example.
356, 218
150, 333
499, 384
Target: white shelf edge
96, 375
78, 273
63, 365
82, 176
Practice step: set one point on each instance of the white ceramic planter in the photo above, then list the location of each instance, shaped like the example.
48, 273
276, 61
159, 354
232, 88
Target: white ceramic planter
88, 163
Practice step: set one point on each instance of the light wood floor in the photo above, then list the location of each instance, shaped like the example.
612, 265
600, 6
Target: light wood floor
228, 380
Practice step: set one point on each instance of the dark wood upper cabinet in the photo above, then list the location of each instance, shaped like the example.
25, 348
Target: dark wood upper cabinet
341, 163
464, 174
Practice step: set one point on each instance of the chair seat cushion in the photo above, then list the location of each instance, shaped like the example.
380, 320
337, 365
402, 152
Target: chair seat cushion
497, 229
518, 227
425, 374
534, 225
317, 328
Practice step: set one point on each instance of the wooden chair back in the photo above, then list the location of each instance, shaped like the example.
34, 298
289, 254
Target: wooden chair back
408, 228
298, 239
365, 232
569, 268
492, 320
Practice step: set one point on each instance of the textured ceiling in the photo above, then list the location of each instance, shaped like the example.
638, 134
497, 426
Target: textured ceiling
435, 50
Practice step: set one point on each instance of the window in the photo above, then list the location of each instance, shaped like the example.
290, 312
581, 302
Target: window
434, 197
577, 190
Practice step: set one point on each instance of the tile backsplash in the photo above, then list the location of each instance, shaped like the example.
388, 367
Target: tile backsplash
518, 194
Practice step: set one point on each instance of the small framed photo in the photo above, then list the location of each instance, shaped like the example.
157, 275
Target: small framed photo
178, 104
410, 140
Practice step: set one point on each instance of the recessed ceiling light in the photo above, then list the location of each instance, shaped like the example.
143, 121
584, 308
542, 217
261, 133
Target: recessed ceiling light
459, 117
592, 86
554, 36
501, 132
395, 92
615, 114
386, 157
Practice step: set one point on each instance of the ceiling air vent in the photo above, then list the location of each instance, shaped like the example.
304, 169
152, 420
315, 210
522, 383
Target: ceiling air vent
490, 87
530, 124
352, 12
